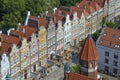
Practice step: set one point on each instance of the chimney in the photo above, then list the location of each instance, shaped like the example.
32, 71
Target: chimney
46, 13
38, 16
54, 10
23, 30
26, 21
19, 24
8, 32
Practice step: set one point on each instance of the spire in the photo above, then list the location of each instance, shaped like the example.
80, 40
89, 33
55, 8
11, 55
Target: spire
89, 51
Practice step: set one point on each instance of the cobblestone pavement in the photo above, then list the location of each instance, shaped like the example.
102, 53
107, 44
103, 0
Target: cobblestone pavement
56, 75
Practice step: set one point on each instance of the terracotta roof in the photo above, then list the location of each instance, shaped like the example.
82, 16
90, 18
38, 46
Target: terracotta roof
23, 31
89, 51
75, 76
39, 21
110, 38
78, 10
88, 6
10, 39
5, 47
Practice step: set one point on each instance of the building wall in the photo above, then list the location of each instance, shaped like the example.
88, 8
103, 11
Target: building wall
5, 66
34, 53
51, 38
75, 30
59, 39
67, 31
14, 62
25, 59
42, 43
111, 59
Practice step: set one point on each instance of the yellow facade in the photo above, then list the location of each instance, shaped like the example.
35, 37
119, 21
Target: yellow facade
42, 42
25, 58
14, 62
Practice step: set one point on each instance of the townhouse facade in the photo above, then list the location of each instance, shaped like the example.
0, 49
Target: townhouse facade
51, 36
108, 49
4, 66
42, 43
75, 29
51, 39
33, 44
67, 31
59, 39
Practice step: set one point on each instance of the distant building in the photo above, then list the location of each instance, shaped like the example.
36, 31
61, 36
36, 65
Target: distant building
88, 63
108, 46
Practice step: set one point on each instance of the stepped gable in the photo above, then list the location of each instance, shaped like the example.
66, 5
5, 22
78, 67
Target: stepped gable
5, 47
57, 17
78, 10
89, 51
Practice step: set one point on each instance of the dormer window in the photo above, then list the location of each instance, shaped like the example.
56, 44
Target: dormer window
100, 42
116, 46
104, 34
119, 38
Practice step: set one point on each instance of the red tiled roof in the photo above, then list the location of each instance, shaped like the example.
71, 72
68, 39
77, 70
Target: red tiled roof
23, 31
110, 38
10, 39
89, 51
75, 76
5, 47
41, 21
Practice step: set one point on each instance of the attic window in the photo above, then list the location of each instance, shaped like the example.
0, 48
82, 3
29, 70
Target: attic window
104, 34
100, 42
113, 35
119, 38
115, 46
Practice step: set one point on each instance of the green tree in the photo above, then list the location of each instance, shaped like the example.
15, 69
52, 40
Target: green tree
69, 2
76, 68
11, 11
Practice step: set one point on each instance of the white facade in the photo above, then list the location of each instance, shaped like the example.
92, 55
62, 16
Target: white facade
5, 66
67, 31
82, 27
111, 65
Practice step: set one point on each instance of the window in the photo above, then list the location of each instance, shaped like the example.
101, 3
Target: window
115, 63
104, 34
25, 74
106, 69
115, 71
106, 53
34, 68
115, 56
106, 61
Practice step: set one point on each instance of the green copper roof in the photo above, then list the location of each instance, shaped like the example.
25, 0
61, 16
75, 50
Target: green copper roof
66, 68
8, 76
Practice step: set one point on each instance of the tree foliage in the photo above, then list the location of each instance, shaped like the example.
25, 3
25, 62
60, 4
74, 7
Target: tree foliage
14, 11
76, 68
69, 2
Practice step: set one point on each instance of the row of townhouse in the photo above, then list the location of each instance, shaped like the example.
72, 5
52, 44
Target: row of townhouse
28, 48
23, 52
68, 26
